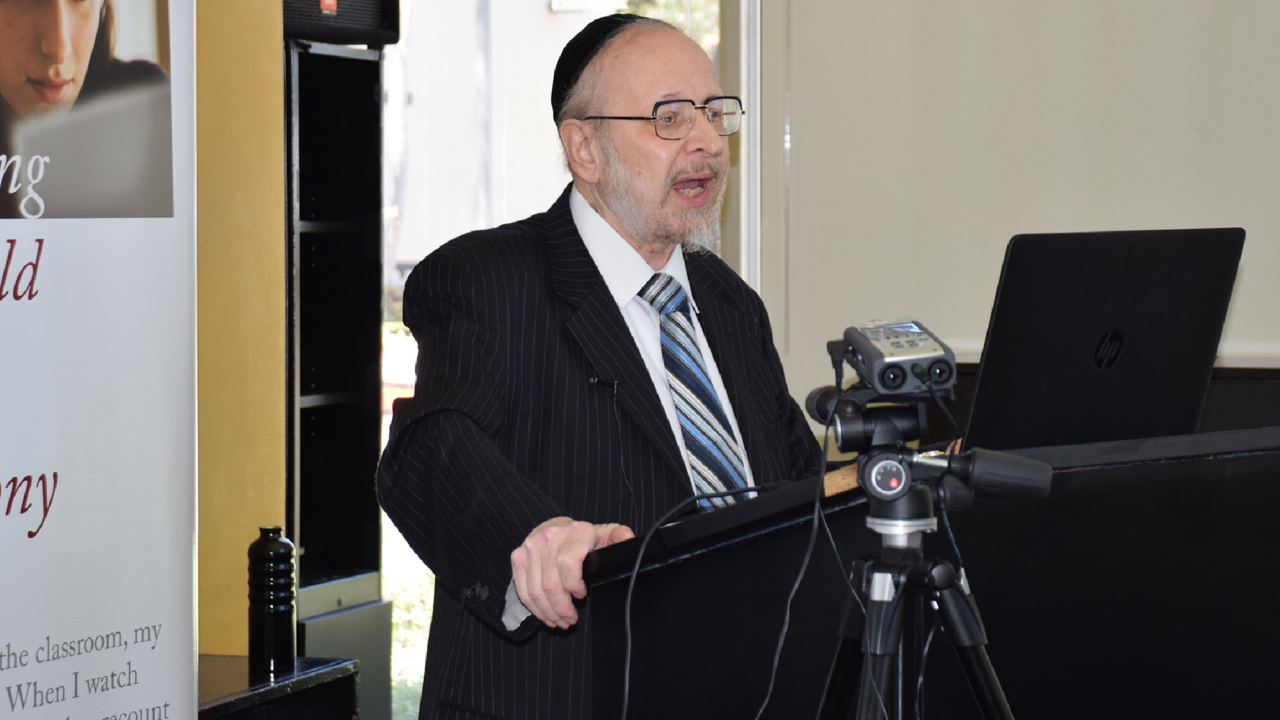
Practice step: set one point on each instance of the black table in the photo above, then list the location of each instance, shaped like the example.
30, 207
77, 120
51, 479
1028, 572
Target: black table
318, 688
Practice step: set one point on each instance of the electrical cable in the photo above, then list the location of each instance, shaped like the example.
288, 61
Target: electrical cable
924, 656
635, 572
886, 671
923, 376
884, 681
826, 436
946, 525
622, 464
951, 538
786, 617
955, 426
804, 566
835, 550
818, 518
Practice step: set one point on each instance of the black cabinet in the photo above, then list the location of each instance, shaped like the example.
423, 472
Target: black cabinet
334, 350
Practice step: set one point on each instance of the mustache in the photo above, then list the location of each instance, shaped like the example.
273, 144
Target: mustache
694, 169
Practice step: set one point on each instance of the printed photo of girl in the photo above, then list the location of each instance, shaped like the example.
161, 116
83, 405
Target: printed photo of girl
83, 133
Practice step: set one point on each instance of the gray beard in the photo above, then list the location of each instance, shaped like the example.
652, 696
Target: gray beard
703, 234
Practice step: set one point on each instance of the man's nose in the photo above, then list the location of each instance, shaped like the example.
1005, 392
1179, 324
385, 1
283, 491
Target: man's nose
703, 135
55, 31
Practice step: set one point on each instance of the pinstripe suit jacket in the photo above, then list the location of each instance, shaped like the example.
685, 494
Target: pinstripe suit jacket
507, 429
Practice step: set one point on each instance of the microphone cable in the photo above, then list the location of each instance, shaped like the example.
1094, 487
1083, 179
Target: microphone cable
804, 568
635, 572
819, 519
924, 657
835, 550
617, 423
923, 376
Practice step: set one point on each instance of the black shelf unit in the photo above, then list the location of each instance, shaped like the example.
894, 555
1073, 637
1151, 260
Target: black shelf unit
333, 356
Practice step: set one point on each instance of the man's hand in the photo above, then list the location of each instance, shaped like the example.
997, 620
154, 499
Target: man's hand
547, 567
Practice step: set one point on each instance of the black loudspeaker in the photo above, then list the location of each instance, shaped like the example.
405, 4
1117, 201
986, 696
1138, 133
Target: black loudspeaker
343, 22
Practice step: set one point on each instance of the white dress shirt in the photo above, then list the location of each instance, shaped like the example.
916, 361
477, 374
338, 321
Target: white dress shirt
625, 272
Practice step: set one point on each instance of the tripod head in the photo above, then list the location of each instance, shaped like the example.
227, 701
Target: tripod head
901, 484
858, 426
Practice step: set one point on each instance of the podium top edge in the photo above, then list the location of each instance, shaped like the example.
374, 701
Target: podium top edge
1067, 458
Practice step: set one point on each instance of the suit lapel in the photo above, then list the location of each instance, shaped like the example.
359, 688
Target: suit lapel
599, 328
718, 314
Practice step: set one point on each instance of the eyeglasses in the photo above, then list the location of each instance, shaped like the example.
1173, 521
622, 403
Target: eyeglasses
673, 119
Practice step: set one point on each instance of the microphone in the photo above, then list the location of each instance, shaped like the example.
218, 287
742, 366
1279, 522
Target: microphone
611, 384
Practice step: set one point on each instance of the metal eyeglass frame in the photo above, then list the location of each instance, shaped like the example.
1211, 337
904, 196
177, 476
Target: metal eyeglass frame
688, 126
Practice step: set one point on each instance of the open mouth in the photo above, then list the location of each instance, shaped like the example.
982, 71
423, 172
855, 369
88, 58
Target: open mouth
692, 186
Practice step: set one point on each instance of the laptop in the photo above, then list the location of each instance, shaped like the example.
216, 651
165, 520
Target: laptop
1102, 336
109, 158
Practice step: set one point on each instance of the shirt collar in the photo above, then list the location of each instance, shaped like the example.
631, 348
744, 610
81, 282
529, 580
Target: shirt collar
624, 270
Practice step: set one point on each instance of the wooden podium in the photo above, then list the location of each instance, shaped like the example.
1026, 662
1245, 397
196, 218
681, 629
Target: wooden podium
1141, 587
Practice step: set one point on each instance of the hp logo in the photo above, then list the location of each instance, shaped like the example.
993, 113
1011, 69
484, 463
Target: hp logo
1108, 350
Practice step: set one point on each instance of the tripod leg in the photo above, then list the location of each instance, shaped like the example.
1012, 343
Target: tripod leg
840, 692
842, 688
984, 683
878, 691
963, 627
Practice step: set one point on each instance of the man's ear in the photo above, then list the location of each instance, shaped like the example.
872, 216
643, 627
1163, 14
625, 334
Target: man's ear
581, 149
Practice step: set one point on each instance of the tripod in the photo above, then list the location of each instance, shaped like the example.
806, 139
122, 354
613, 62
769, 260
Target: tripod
894, 586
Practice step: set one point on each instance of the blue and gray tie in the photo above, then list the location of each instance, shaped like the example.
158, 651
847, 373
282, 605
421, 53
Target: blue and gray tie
715, 460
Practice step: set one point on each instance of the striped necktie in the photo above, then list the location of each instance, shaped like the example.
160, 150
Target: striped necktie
715, 460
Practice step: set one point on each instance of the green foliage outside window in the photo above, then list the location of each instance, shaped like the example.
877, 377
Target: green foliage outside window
705, 28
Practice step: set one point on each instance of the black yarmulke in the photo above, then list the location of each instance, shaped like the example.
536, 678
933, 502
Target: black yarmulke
578, 54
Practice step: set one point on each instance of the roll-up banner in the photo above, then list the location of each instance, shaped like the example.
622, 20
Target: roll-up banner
97, 360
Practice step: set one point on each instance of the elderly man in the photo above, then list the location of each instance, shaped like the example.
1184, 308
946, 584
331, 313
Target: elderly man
581, 372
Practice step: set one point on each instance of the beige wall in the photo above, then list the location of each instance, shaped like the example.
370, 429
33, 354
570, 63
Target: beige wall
240, 301
926, 133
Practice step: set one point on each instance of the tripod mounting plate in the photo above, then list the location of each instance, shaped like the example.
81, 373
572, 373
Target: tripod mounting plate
897, 526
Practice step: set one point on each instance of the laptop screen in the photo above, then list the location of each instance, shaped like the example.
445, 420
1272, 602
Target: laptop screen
1102, 336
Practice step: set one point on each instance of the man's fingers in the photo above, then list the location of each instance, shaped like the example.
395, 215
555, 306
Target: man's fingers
527, 577
570, 567
547, 568
528, 572
574, 551
558, 600
535, 568
612, 533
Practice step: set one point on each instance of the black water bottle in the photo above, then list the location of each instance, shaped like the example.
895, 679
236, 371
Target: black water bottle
273, 617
